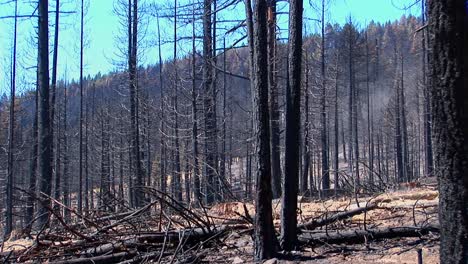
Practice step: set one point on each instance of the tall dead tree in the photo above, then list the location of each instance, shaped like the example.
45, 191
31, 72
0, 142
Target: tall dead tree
11, 136
323, 108
196, 165
80, 179
162, 146
448, 62
53, 99
45, 136
273, 97
293, 121
176, 180
427, 119
211, 162
265, 238
137, 166
33, 162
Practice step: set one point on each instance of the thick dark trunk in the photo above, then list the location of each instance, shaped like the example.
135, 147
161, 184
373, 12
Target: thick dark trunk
265, 237
293, 121
138, 172
211, 163
448, 62
274, 107
45, 137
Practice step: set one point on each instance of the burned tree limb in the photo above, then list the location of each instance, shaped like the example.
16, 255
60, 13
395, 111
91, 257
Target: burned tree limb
336, 217
360, 236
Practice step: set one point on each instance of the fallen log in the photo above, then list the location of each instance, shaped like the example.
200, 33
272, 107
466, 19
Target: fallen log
111, 258
360, 236
336, 217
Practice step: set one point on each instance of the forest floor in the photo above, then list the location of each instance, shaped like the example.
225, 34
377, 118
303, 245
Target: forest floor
414, 207
138, 236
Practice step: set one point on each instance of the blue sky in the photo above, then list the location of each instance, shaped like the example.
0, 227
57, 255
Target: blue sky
102, 28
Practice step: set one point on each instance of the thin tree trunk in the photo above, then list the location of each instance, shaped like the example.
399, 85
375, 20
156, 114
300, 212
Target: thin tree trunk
323, 110
196, 165
11, 137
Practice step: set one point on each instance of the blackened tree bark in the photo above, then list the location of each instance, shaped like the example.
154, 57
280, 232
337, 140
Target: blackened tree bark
323, 109
448, 62
196, 165
31, 201
137, 166
162, 145
293, 121
429, 159
306, 148
53, 102
211, 163
80, 180
45, 136
176, 183
11, 136
336, 134
265, 237
274, 107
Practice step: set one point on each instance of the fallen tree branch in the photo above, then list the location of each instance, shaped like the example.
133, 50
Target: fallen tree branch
360, 236
336, 217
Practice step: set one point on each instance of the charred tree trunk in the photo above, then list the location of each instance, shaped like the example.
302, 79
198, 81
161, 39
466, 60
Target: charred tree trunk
448, 62
323, 110
274, 107
11, 136
265, 238
196, 164
137, 166
293, 121
45, 136
80, 180
211, 162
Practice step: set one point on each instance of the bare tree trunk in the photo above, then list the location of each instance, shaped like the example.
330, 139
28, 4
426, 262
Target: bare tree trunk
11, 137
265, 238
448, 62
427, 119
209, 106
177, 173
80, 180
66, 175
306, 148
45, 137
293, 121
138, 172
54, 92
33, 162
162, 146
196, 165
336, 128
323, 110
273, 97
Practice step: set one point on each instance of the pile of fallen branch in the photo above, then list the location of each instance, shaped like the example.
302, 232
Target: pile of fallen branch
163, 230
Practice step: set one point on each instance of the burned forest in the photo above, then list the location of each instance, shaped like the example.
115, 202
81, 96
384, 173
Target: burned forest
234, 131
